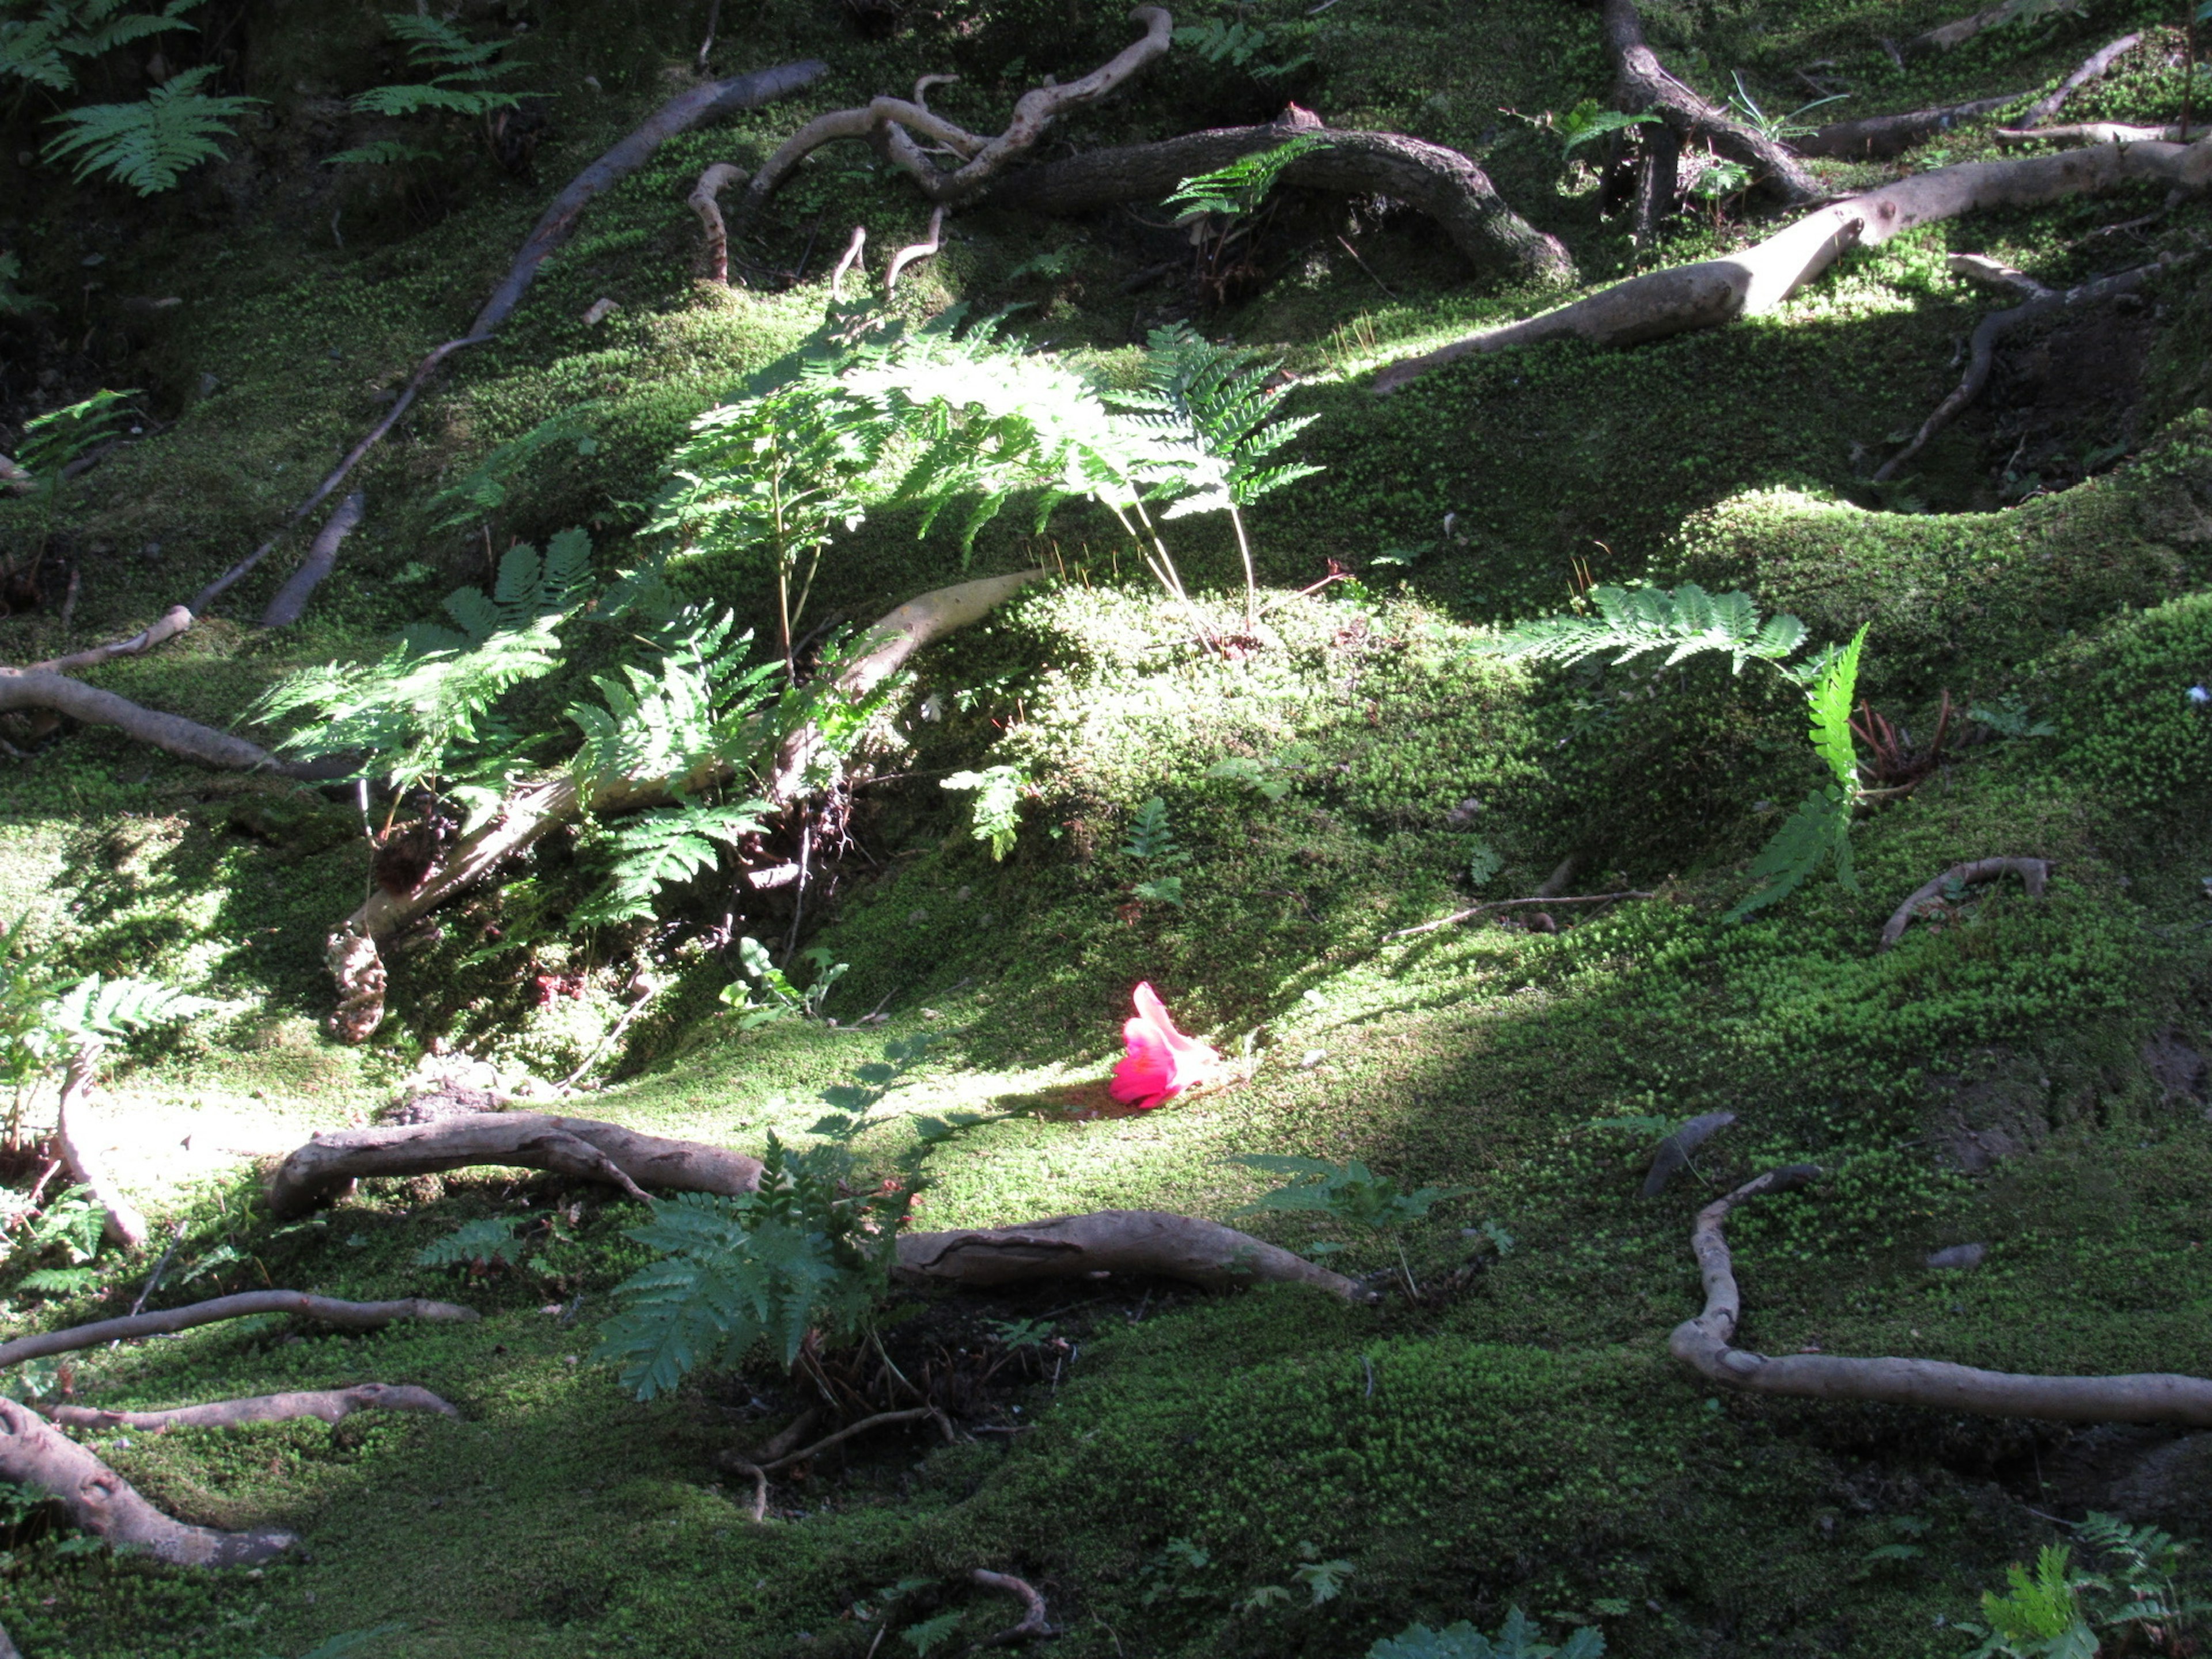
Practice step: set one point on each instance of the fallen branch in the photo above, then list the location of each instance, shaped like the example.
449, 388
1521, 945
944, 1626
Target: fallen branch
924, 249
2094, 70
329, 1164
122, 1224
322, 556
881, 1420
1198, 1252
2089, 132
171, 622
705, 200
105, 1504
351, 950
1759, 279
679, 114
1439, 182
1512, 904
1032, 1623
1878, 137
39, 688
2034, 874
892, 122
330, 1405
347, 1316
1982, 354
1704, 1343
1672, 1153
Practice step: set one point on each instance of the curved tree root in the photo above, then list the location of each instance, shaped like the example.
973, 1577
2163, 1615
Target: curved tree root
2034, 874
329, 1164
1704, 1345
347, 1316
1198, 1252
122, 1225
171, 622
104, 1503
1439, 182
705, 200
330, 1405
37, 688
322, 557
2098, 61
536, 808
1759, 279
772, 1458
924, 249
1032, 1623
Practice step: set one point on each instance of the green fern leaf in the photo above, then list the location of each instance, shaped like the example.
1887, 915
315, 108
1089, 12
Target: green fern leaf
1832, 694
386, 152
149, 145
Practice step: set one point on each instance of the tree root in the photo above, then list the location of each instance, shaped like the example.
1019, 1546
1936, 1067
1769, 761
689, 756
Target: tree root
1993, 328
924, 249
122, 1225
2034, 873
105, 1504
1704, 1345
2087, 132
292, 598
330, 1405
1673, 1152
846, 260
1198, 1252
2098, 61
1474, 910
1878, 137
1956, 32
347, 1316
171, 622
705, 200
1759, 279
679, 114
1032, 1623
1641, 83
891, 124
535, 808
1439, 182
773, 1459
329, 1164
38, 688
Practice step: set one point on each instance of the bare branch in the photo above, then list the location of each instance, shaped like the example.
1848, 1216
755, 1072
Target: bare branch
846, 260
171, 622
330, 1405
922, 250
1032, 1623
2098, 61
322, 556
705, 201
348, 1316
33, 688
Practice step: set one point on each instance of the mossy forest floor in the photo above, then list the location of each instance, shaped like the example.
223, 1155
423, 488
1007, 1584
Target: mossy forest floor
2026, 1075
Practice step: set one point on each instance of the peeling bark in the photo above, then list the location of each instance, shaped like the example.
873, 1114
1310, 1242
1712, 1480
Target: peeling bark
105, 1504
1759, 279
328, 1165
1704, 1343
1198, 1252
347, 1316
1439, 182
328, 1405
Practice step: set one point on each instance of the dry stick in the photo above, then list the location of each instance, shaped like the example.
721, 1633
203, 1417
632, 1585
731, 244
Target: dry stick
292, 598
2098, 61
328, 1405
713, 17
1032, 1622
1641, 83
1199, 1252
613, 1035
846, 260
171, 622
705, 201
1704, 1345
330, 1163
921, 250
1759, 279
912, 1414
104, 1503
1439, 182
679, 114
2034, 874
349, 1315
1512, 904
1983, 354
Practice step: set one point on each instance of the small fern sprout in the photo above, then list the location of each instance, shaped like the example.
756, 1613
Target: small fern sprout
150, 144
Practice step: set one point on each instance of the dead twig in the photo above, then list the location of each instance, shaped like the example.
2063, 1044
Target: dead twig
1512, 904
2034, 873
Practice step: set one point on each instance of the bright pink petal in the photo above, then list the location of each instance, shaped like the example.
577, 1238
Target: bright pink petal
1151, 1009
1161, 1061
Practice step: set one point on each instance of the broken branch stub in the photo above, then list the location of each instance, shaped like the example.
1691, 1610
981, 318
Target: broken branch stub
329, 1164
1704, 1344
1196, 1251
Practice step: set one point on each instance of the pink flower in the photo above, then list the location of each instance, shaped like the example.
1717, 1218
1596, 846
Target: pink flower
1161, 1061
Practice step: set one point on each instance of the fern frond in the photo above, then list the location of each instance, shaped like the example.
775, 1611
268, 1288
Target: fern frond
1818, 830
669, 844
1831, 695
149, 145
1241, 186
98, 1011
385, 152
414, 99
1631, 621
434, 41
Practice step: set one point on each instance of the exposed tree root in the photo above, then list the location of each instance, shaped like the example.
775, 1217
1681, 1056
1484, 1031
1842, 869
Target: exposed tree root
2087, 132
122, 1225
924, 249
36, 688
1759, 279
347, 1316
1672, 1153
1198, 1252
1032, 1623
534, 808
1878, 137
171, 622
846, 260
771, 1457
322, 556
705, 200
1956, 32
891, 124
1474, 910
104, 1503
330, 1405
1439, 182
329, 1164
1994, 328
1704, 1345
2100, 60
2034, 874
679, 114
1641, 83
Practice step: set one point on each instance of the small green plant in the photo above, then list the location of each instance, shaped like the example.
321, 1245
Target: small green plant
1779, 128
2041, 1614
482, 490
1152, 843
461, 73
2010, 717
932, 1634
1517, 1638
996, 817
53, 441
150, 144
348, 1644
1353, 1195
1589, 121
1225, 207
767, 994
479, 1246
13, 302
1241, 46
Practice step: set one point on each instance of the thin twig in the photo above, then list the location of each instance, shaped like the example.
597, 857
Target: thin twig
1512, 904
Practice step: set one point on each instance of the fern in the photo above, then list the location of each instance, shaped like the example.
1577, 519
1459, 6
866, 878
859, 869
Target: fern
1237, 190
348, 1644
462, 85
150, 144
476, 1244
484, 489
1632, 622
667, 845
59, 1281
696, 703
1517, 1638
13, 302
1587, 121
95, 1012
529, 591
1151, 839
1820, 829
38, 48
997, 814
1239, 45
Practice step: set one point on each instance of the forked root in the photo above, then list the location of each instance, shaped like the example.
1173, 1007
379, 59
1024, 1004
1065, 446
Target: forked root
1704, 1345
1032, 1623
